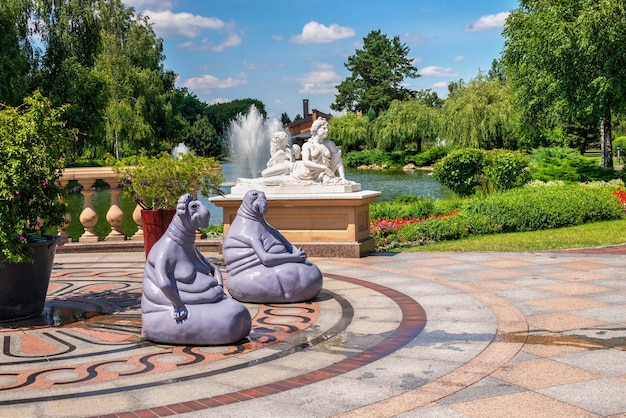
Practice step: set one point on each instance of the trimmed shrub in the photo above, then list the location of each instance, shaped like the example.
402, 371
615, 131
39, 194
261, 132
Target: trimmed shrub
537, 208
450, 228
619, 142
428, 157
461, 170
377, 157
405, 206
506, 170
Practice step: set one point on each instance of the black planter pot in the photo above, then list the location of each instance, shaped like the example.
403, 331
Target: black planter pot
23, 286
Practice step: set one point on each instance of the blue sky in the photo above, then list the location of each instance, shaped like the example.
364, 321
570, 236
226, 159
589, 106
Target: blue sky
283, 51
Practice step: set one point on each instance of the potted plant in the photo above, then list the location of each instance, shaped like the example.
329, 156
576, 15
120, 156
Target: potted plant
156, 183
33, 139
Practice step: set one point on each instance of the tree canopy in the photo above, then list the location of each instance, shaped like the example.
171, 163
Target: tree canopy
105, 63
566, 59
378, 74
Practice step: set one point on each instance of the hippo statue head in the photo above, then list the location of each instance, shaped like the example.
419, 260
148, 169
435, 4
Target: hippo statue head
253, 205
192, 213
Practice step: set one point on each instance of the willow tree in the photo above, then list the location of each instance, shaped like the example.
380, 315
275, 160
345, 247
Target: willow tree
350, 131
573, 53
406, 124
480, 114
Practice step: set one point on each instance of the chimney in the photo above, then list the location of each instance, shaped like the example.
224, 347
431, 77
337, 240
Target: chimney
305, 108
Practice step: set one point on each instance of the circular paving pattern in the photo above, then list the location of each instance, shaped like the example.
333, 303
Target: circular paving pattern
88, 342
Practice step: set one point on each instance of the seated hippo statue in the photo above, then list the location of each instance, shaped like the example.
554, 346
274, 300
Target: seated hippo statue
262, 266
183, 300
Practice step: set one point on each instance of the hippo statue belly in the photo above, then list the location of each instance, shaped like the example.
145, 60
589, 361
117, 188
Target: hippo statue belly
262, 266
183, 299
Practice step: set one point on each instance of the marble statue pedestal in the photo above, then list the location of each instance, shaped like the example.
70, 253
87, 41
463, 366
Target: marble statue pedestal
323, 224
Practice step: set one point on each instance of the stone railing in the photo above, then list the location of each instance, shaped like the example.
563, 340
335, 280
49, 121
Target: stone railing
87, 178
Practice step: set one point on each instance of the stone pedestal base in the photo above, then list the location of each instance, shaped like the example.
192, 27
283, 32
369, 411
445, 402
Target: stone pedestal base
323, 224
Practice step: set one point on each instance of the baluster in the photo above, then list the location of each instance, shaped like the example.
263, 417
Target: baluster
88, 218
137, 218
65, 237
115, 216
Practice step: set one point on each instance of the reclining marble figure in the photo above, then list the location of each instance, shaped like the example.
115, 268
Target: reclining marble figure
262, 265
183, 300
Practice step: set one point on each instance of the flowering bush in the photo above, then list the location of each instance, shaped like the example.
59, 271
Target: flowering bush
384, 231
621, 195
33, 139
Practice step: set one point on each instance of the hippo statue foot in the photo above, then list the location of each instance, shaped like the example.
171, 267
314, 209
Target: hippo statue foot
224, 322
285, 283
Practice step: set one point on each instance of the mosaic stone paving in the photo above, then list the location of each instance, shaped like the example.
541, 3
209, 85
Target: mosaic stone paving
88, 342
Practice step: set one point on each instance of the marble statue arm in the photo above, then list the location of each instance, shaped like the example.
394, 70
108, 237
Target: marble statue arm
168, 287
206, 266
277, 157
272, 259
312, 165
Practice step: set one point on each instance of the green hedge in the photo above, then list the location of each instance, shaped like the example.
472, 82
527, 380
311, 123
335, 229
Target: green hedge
537, 208
522, 209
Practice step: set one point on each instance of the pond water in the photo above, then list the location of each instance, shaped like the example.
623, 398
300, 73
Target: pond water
391, 184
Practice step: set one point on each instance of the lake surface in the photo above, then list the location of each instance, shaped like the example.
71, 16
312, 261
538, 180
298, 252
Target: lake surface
391, 184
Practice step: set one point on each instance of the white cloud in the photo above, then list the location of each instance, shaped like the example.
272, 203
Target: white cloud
322, 79
415, 38
207, 83
219, 100
434, 71
441, 85
277, 38
459, 58
316, 33
141, 5
181, 25
487, 22
207, 44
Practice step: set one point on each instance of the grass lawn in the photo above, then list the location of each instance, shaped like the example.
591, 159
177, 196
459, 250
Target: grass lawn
598, 234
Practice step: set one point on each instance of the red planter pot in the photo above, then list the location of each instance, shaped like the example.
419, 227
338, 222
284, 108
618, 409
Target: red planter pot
154, 224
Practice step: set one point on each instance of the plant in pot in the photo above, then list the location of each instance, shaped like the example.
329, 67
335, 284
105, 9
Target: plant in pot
156, 183
33, 140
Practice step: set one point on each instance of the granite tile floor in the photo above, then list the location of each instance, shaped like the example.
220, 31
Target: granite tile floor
410, 334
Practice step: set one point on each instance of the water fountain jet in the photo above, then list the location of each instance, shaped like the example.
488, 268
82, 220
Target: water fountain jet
249, 143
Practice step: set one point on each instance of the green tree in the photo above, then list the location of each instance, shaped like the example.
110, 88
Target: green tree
220, 115
406, 124
378, 74
16, 52
480, 114
285, 119
568, 56
202, 138
350, 131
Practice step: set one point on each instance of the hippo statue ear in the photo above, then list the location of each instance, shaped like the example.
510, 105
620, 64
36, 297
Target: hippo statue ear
183, 204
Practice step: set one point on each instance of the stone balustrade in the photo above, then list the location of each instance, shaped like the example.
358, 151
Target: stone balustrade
87, 178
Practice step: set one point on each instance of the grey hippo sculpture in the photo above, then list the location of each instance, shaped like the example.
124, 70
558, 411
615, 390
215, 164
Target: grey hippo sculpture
183, 300
262, 265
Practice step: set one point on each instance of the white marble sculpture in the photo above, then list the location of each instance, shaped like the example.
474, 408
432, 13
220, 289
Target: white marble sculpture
320, 165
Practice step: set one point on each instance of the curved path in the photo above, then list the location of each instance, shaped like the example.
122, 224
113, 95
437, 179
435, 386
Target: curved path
421, 334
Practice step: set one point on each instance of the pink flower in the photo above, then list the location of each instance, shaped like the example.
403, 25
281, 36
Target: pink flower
45, 183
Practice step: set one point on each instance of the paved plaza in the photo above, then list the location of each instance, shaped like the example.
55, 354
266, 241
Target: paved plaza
409, 334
